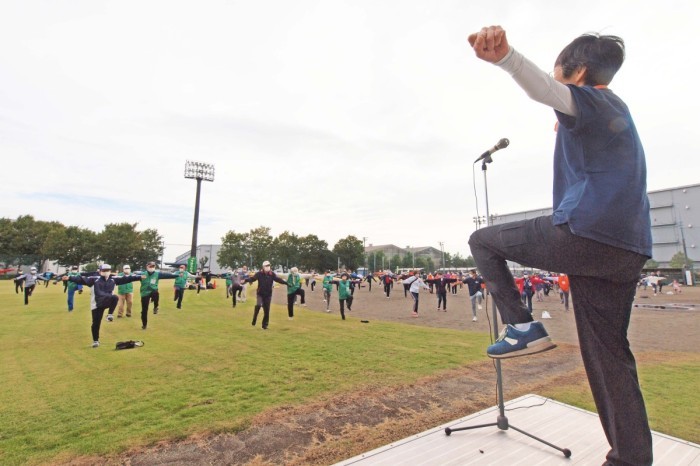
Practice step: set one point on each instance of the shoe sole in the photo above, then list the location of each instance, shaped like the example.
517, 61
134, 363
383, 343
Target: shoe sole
538, 348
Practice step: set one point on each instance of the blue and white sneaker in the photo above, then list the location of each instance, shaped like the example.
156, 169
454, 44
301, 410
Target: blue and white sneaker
513, 342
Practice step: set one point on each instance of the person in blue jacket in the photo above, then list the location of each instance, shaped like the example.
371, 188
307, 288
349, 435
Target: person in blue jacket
103, 296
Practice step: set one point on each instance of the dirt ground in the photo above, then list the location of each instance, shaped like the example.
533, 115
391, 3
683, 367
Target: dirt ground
336, 429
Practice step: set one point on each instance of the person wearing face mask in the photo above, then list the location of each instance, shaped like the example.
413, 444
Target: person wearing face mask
327, 289
344, 293
293, 289
182, 276
102, 295
125, 294
233, 285
242, 275
149, 290
265, 279
72, 287
29, 280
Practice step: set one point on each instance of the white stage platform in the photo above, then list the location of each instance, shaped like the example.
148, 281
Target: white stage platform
557, 423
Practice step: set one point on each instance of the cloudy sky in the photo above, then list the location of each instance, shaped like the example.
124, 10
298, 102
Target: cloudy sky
322, 117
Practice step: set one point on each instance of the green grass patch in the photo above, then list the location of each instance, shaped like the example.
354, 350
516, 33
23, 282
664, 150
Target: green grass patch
206, 369
202, 369
670, 385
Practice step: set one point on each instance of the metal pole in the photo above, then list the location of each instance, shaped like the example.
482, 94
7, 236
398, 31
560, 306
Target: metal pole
499, 379
193, 250
364, 251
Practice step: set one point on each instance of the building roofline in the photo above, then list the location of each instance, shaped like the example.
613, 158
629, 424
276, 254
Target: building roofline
648, 192
675, 188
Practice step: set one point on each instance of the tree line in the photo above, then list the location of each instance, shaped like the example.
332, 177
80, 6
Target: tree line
27, 241
311, 253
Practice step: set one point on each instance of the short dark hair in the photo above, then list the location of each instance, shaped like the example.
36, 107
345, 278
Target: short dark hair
601, 55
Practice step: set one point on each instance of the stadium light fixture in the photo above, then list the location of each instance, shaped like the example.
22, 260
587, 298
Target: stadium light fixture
198, 171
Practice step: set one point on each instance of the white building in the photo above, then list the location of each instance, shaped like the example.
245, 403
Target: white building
675, 222
210, 251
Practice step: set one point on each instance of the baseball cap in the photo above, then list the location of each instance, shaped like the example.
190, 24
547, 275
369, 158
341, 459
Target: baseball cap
32, 269
126, 267
105, 267
266, 263
151, 263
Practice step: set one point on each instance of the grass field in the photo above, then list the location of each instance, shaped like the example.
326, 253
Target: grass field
206, 369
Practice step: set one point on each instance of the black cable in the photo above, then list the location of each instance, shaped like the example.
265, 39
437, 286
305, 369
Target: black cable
476, 198
528, 407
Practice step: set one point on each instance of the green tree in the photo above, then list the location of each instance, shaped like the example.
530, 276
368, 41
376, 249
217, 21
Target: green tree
150, 247
314, 254
233, 252
425, 263
408, 260
203, 262
350, 251
259, 244
372, 261
71, 246
8, 253
121, 243
329, 261
375, 260
459, 261
286, 249
679, 261
394, 262
27, 237
117, 243
90, 267
448, 260
651, 264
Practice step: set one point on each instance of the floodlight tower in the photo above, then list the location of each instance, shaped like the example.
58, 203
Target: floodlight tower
198, 171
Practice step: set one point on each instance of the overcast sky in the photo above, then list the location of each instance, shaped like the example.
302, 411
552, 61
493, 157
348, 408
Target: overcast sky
322, 117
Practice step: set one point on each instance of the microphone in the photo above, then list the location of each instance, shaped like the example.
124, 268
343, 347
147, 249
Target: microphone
502, 144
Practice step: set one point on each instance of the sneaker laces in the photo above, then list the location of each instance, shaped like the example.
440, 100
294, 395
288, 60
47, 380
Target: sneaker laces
502, 335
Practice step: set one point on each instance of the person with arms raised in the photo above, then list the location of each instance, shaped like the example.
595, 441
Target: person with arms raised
599, 233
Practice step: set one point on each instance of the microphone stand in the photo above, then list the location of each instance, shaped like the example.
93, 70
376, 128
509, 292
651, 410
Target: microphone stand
501, 421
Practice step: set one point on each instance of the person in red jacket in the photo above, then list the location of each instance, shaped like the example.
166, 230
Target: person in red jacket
563, 283
527, 285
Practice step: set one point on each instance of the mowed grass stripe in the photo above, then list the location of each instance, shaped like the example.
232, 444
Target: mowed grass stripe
203, 368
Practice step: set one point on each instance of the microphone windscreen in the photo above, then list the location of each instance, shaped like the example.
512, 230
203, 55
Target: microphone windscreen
503, 143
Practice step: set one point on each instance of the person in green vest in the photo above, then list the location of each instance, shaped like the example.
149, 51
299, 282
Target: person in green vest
182, 276
72, 287
125, 293
228, 276
327, 289
344, 293
293, 289
149, 290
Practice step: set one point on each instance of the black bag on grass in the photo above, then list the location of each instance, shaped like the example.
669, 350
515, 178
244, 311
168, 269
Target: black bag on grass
128, 344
